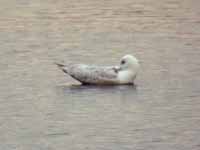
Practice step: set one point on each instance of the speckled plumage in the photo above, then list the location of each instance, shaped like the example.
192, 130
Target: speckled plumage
92, 74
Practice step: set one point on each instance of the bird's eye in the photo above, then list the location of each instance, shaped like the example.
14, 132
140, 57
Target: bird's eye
123, 62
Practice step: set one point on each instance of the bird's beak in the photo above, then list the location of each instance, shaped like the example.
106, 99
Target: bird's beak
117, 68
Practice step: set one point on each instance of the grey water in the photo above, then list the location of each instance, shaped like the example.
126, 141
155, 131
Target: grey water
43, 109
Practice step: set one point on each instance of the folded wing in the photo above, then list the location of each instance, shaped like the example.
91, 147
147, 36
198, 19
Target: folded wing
92, 74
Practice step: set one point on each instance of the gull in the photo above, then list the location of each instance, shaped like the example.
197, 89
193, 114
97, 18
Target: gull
124, 74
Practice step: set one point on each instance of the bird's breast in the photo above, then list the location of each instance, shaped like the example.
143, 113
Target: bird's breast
126, 77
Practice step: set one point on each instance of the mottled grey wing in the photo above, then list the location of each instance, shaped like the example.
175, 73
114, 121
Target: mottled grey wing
92, 74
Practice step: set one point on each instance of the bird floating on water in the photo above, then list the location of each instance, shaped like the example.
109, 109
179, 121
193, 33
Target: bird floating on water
124, 74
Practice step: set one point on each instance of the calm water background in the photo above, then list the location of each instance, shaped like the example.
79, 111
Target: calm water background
41, 110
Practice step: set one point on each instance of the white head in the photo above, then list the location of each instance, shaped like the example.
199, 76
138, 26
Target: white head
129, 63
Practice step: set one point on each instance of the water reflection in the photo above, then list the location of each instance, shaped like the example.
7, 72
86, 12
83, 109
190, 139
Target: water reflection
93, 90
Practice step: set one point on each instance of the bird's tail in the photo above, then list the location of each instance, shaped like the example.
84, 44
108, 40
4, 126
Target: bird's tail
61, 66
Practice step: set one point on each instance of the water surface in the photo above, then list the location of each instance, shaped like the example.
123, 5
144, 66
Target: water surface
40, 108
